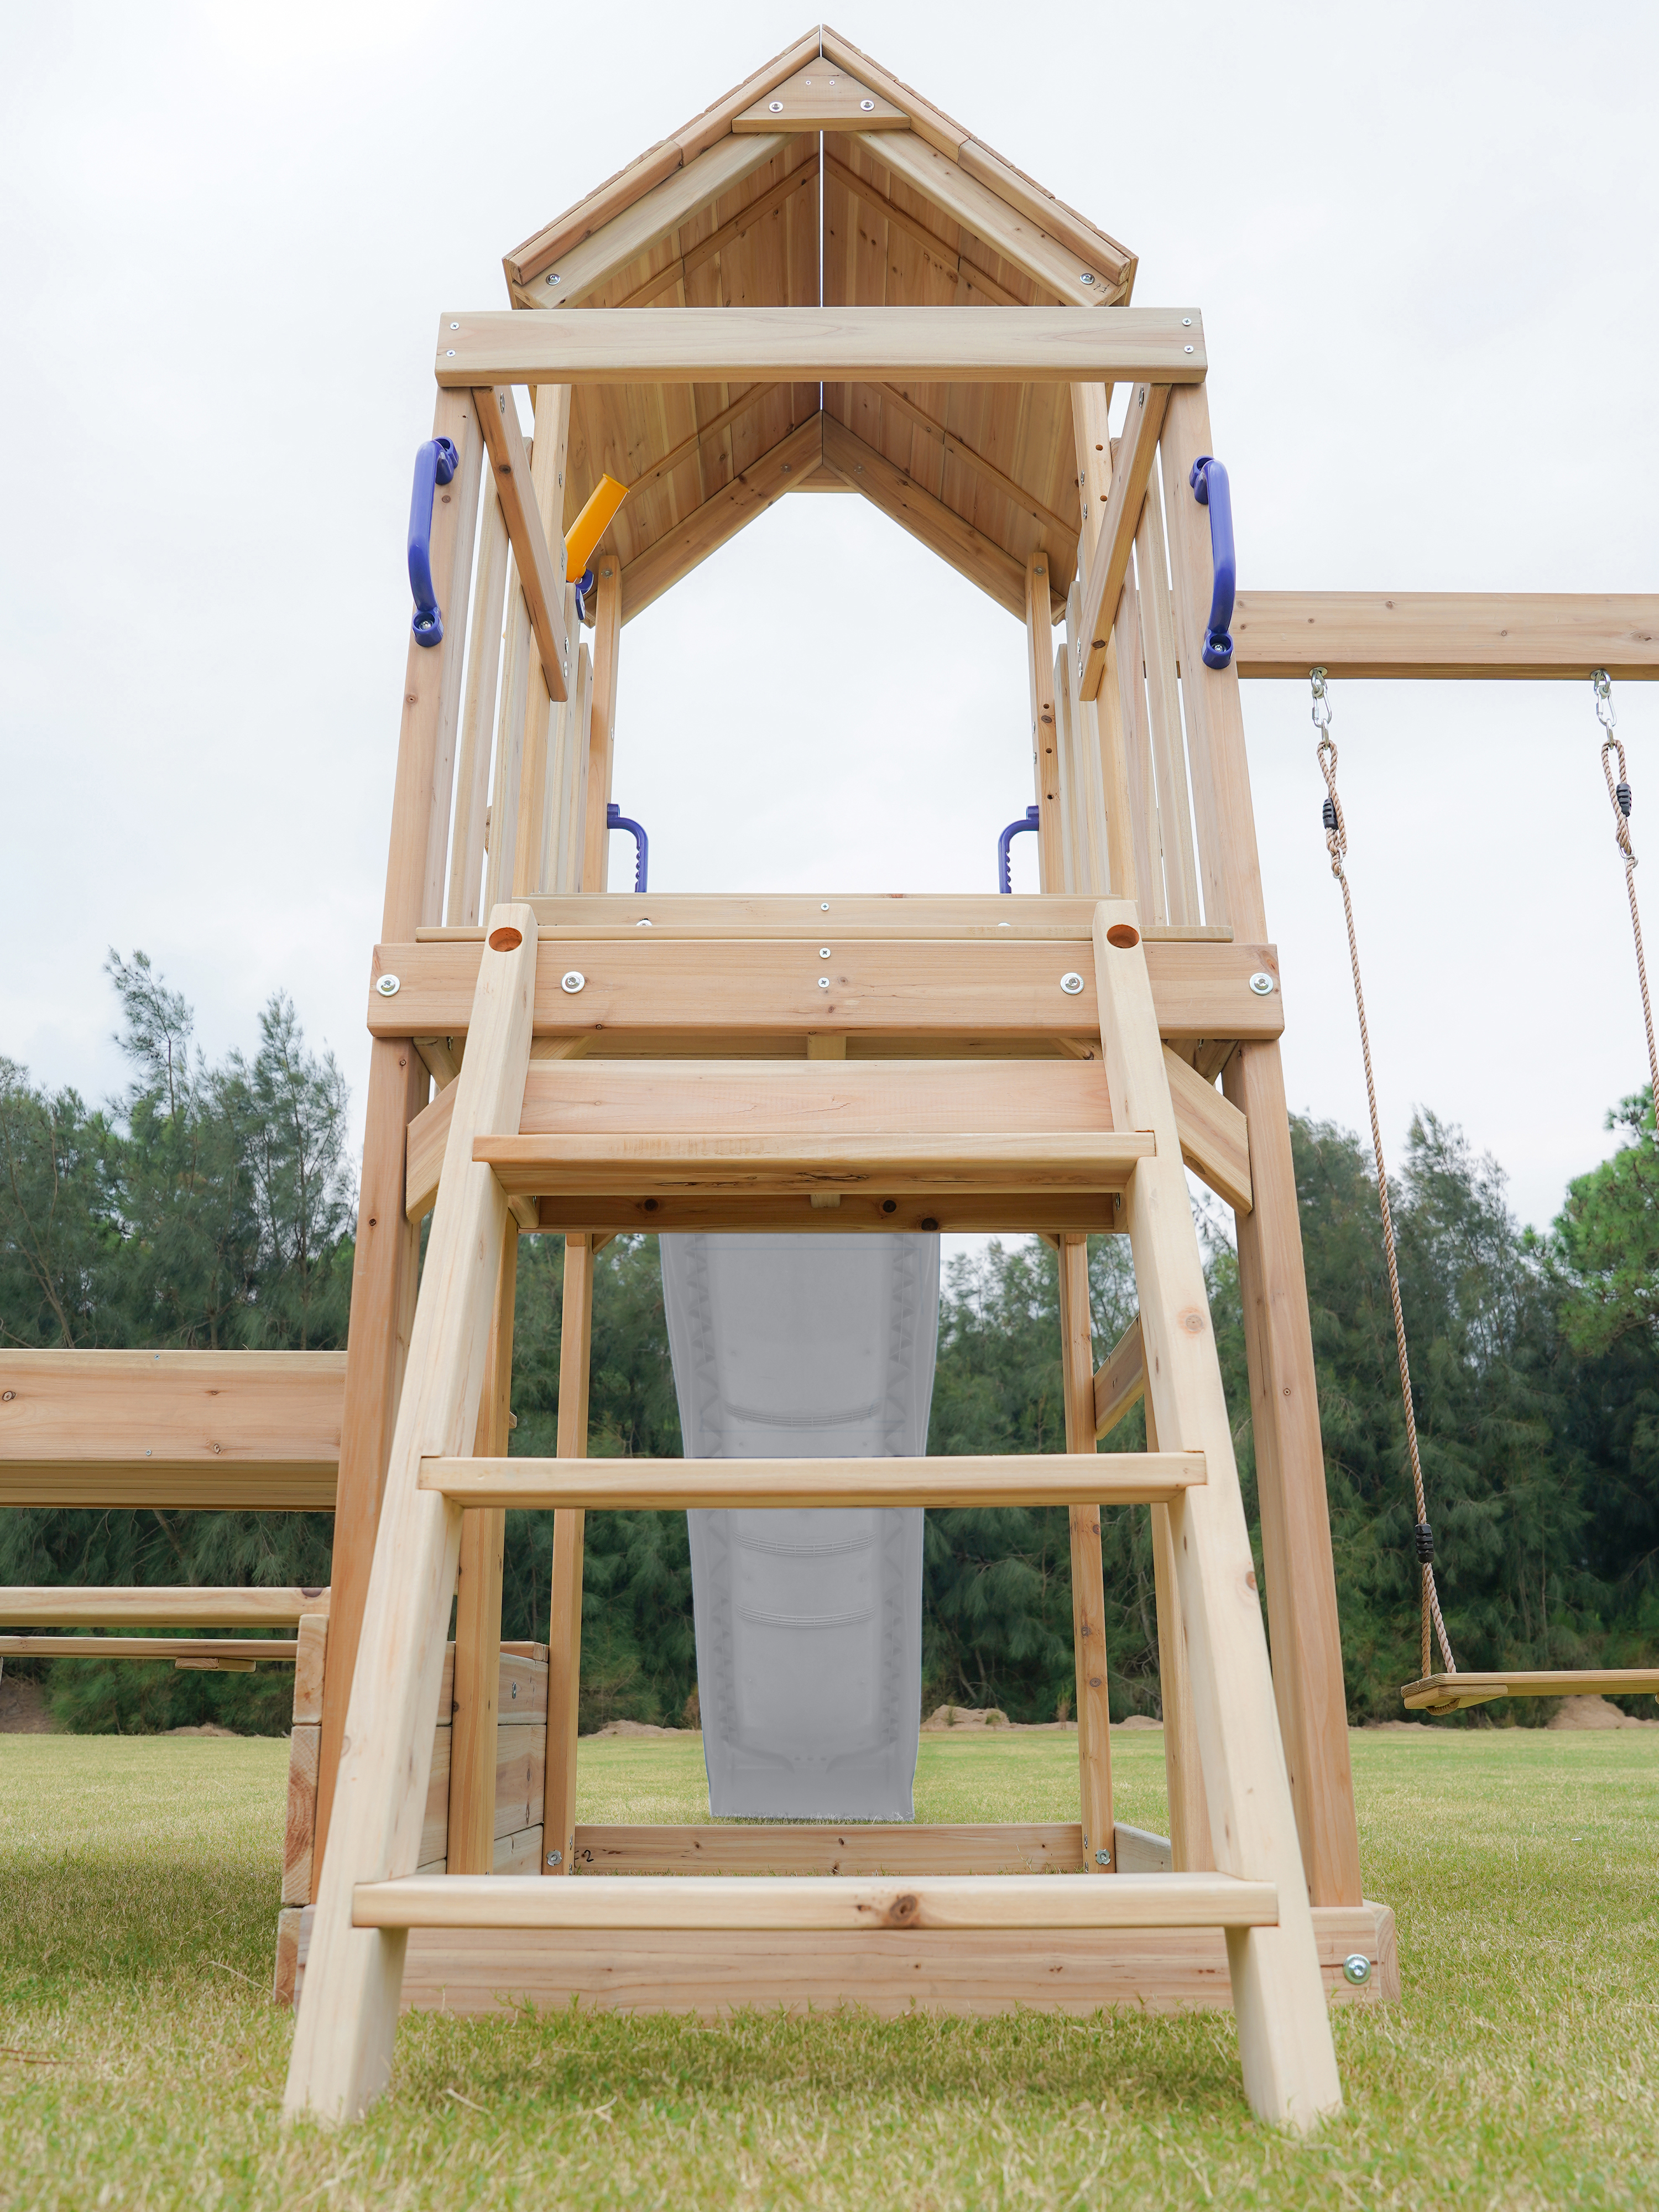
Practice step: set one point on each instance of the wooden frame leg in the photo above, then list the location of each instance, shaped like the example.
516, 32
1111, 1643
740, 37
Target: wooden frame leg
1183, 1774
471, 1845
1094, 1709
1284, 2043
564, 1631
344, 2037
1290, 1461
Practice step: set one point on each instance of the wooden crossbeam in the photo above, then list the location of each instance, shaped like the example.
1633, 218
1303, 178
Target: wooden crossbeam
986, 916
836, 345
538, 579
784, 1902
198, 1650
1109, 563
872, 1847
905, 988
642, 1484
161, 1605
1005, 1213
1120, 1378
1440, 634
821, 97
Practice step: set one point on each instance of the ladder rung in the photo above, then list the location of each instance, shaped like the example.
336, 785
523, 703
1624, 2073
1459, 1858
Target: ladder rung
781, 1902
199, 1648
998, 1478
541, 1165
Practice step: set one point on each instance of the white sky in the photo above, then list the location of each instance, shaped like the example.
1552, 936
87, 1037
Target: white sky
1422, 241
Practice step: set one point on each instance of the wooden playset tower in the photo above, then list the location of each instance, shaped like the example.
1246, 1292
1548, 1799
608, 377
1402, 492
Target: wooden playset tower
823, 284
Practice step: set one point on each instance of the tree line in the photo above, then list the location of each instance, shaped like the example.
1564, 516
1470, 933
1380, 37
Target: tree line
211, 1206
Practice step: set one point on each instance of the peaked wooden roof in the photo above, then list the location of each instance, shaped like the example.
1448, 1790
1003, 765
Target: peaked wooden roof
824, 179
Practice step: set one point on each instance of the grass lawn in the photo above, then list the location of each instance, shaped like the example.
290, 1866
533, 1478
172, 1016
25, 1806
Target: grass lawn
141, 2065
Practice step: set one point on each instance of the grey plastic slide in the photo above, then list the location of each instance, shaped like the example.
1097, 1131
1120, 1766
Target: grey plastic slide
808, 1622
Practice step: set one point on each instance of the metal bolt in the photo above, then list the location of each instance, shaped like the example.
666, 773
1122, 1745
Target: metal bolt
1262, 984
1088, 277
388, 986
554, 280
1187, 349
454, 326
1186, 322
775, 107
642, 925
1357, 1969
1071, 982
1005, 925
449, 353
556, 1859
824, 982
824, 953
572, 981
824, 906
1103, 1858
868, 106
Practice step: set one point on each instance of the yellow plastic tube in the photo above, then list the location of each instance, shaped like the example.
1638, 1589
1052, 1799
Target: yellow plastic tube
591, 525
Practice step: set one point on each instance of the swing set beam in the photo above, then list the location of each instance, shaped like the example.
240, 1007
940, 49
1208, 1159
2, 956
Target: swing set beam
1441, 635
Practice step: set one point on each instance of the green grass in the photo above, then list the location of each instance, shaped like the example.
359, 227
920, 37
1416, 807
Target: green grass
143, 2066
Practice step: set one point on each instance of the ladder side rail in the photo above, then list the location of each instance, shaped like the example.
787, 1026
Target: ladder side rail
1094, 1706
341, 2052
1284, 2036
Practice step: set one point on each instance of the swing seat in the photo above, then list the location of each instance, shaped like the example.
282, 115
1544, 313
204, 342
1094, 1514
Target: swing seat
1449, 1694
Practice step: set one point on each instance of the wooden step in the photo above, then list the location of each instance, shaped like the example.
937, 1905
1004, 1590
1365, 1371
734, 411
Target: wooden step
966, 1479
1449, 1694
781, 1902
158, 1605
894, 1166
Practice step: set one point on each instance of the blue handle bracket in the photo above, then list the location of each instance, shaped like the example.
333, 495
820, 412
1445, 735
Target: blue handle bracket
1212, 490
435, 463
616, 819
1005, 880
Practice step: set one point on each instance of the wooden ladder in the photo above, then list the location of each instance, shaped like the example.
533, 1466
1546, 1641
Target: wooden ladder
369, 1898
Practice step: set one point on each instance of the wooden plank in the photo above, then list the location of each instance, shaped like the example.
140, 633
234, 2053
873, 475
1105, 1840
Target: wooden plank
989, 217
1190, 1847
843, 345
889, 914
1168, 745
785, 1902
476, 1672
821, 97
653, 220
874, 1847
564, 1633
268, 1486
755, 395
282, 1650
502, 870
483, 659
542, 1165
1120, 1380
241, 1417
719, 517
1446, 1694
342, 2042
172, 1606
956, 449
299, 1818
1215, 1137
1109, 563
1285, 2042
1094, 1704
1112, 262
602, 723
974, 287
310, 1662
1045, 746
643, 1484
1437, 636
906, 988
515, 1800
484, 1971
539, 578
929, 122
1127, 659
1035, 1213
940, 528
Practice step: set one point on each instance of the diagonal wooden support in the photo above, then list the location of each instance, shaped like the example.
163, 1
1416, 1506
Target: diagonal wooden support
342, 2055
1283, 2031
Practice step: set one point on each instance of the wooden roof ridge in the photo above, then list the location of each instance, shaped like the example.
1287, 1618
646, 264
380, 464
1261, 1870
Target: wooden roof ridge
1113, 261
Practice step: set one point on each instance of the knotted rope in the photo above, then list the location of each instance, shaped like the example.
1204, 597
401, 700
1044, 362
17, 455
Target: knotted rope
1336, 843
1619, 795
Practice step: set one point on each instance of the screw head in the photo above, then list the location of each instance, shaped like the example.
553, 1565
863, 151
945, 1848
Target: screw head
1088, 277
1187, 349
554, 279
642, 925
454, 326
572, 981
775, 107
1186, 322
1357, 1969
868, 106
824, 953
824, 982
556, 1859
449, 353
388, 986
1262, 984
824, 906
1103, 1858
1071, 982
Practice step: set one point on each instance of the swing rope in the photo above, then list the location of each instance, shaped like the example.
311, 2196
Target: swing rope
1336, 843
1619, 795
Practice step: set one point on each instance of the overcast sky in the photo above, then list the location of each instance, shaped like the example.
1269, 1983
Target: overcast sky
1422, 238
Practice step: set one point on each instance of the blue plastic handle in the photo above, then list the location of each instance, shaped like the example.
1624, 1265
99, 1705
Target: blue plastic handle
435, 463
616, 819
1006, 881
1212, 490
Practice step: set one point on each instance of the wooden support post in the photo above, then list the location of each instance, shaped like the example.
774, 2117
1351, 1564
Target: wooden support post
1289, 1461
1183, 1771
602, 722
1094, 1708
572, 843
1045, 754
384, 1263
484, 660
564, 1633
342, 2054
533, 846
1163, 693
471, 1846
1283, 2031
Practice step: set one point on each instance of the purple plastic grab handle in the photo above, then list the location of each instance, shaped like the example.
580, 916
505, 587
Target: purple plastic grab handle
616, 819
1006, 881
1212, 490
434, 465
